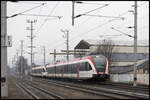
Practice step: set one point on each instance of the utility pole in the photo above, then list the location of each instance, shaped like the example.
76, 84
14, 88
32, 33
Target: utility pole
4, 81
73, 13
54, 56
31, 37
21, 68
44, 54
17, 65
33, 58
67, 42
135, 42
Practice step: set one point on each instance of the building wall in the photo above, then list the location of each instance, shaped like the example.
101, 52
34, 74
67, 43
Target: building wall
128, 78
124, 55
130, 49
125, 49
121, 63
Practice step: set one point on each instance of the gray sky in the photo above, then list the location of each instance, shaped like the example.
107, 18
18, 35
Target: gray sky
86, 27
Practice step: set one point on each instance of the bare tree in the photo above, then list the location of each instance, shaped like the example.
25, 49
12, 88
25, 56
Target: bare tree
105, 47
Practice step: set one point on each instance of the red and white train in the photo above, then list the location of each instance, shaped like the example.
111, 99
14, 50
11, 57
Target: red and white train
89, 67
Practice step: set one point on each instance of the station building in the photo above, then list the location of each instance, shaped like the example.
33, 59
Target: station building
122, 53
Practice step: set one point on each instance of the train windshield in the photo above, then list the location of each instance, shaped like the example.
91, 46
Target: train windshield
100, 63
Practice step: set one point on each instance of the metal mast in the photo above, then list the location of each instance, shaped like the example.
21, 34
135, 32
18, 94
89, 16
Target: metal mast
135, 42
21, 58
31, 37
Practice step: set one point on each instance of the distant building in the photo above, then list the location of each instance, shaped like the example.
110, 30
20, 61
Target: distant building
142, 68
24, 64
122, 53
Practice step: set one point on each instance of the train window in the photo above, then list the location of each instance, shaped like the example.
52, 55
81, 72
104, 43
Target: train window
50, 70
82, 66
59, 69
69, 68
90, 68
86, 66
74, 68
65, 69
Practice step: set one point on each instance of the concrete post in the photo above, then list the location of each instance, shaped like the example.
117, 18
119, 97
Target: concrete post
4, 83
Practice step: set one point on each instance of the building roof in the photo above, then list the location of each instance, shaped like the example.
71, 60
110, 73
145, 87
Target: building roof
85, 44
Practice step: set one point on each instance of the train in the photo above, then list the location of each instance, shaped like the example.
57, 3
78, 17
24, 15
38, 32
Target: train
84, 68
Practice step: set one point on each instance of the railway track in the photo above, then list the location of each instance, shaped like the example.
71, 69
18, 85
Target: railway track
125, 86
121, 86
110, 93
36, 92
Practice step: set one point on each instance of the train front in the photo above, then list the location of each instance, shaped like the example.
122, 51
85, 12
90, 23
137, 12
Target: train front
101, 65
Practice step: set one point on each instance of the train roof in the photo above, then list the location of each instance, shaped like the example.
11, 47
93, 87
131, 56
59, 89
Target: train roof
70, 61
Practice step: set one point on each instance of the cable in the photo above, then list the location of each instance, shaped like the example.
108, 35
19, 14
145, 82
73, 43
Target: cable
46, 17
86, 19
88, 12
80, 2
39, 12
29, 3
96, 8
91, 10
142, 4
99, 26
93, 28
26, 10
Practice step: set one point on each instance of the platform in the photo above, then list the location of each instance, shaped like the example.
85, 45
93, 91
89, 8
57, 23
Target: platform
14, 92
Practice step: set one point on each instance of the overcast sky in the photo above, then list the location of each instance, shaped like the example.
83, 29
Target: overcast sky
86, 27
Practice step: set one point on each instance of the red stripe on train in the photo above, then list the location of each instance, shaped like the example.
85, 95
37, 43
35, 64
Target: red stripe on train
91, 59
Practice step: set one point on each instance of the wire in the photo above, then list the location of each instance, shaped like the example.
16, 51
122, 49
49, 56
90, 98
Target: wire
28, 3
105, 16
81, 34
142, 3
39, 15
92, 10
26, 10
80, 2
86, 19
96, 8
46, 17
100, 25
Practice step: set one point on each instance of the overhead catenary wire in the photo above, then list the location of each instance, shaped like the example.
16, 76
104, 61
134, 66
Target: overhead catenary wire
26, 11
96, 9
80, 2
87, 18
104, 16
139, 18
40, 15
142, 4
91, 10
82, 34
28, 2
99, 25
47, 17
